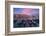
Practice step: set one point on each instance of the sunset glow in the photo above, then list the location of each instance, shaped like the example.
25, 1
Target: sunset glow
27, 11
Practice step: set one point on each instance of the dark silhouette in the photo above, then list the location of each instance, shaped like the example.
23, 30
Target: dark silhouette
21, 20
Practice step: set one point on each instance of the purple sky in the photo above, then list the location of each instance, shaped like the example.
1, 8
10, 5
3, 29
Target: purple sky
28, 11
